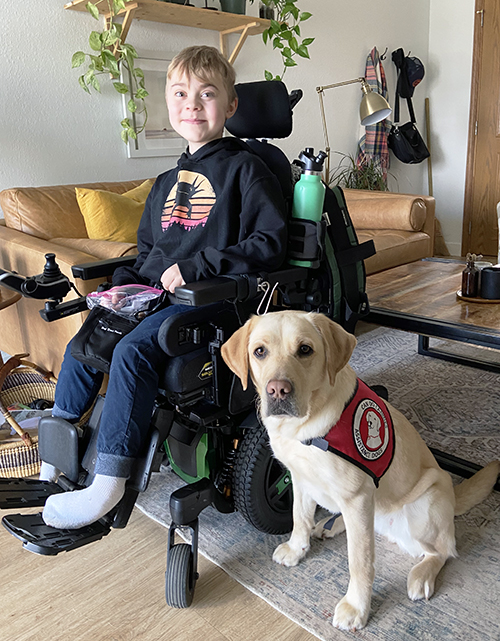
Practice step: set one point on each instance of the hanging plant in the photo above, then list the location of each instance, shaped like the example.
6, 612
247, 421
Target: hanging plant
108, 58
285, 34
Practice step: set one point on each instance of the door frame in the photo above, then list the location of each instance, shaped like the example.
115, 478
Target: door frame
477, 56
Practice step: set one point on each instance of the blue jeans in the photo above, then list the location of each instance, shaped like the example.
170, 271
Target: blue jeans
132, 389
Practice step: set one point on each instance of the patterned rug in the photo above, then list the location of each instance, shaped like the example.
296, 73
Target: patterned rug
456, 409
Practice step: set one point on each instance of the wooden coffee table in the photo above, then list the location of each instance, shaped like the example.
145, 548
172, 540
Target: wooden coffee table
421, 297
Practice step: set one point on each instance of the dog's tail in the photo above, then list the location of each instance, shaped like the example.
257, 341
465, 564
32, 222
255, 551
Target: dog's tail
474, 490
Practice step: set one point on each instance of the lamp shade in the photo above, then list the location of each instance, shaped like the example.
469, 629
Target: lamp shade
373, 108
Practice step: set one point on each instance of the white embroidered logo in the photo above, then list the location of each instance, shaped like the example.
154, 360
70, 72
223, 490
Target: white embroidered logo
370, 430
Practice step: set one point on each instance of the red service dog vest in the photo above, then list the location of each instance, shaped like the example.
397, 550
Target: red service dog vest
364, 434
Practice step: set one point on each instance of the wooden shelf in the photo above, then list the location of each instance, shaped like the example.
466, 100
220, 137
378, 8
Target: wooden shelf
170, 13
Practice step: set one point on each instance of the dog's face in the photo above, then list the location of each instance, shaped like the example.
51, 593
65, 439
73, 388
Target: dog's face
291, 357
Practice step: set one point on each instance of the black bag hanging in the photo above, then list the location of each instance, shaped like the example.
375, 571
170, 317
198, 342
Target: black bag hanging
405, 140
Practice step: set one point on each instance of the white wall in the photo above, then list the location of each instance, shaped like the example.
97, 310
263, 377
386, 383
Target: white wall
55, 133
450, 68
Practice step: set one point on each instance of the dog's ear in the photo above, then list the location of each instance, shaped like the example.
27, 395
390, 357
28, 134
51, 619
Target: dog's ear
339, 344
235, 352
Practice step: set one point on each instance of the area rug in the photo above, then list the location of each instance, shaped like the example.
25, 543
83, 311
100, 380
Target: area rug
456, 409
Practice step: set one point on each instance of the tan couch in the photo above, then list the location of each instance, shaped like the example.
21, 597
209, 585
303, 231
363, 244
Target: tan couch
39, 220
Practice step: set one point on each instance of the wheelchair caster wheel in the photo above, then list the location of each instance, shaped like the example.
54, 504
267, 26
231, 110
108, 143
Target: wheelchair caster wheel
180, 577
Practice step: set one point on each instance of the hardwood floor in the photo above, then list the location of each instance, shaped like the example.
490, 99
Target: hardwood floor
113, 590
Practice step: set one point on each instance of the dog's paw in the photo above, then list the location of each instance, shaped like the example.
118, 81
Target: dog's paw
287, 555
420, 583
349, 618
332, 529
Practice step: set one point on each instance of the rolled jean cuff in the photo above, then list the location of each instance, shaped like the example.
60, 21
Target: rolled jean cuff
114, 465
59, 413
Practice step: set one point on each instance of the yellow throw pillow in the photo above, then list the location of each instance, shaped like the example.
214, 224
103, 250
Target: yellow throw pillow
110, 216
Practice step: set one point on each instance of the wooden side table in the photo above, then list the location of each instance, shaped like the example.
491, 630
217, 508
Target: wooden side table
7, 297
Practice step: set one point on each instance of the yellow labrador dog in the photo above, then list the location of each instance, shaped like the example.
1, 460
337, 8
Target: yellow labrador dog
373, 468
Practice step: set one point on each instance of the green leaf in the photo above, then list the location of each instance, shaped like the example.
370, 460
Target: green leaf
267, 75
288, 62
294, 44
131, 133
95, 41
275, 26
287, 35
305, 16
93, 10
296, 29
139, 73
131, 106
125, 123
95, 83
83, 85
265, 36
129, 49
287, 52
110, 62
120, 87
78, 59
307, 41
302, 51
118, 5
141, 94
124, 135
97, 62
277, 44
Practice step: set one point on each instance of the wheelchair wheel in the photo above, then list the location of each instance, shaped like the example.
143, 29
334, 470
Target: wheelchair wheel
262, 487
179, 576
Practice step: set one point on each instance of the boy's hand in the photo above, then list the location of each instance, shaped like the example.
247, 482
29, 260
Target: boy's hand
172, 278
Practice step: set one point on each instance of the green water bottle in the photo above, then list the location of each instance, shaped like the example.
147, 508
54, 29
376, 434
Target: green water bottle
309, 192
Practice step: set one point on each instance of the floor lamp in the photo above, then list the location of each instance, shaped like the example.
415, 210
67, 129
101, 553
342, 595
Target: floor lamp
373, 109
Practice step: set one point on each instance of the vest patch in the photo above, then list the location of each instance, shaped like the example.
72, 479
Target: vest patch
364, 434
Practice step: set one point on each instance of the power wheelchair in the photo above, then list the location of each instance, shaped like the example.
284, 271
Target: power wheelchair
204, 424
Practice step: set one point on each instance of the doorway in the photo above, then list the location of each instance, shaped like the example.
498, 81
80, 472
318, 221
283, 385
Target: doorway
482, 184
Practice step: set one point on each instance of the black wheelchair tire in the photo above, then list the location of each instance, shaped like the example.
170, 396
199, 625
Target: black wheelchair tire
255, 474
179, 576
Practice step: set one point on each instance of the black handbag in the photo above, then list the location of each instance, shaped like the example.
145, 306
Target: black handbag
98, 336
407, 144
405, 140
103, 329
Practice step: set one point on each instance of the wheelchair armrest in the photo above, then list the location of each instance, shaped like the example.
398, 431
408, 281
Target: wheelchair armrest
101, 268
240, 288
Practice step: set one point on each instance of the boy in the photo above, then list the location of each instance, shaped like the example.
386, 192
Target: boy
220, 211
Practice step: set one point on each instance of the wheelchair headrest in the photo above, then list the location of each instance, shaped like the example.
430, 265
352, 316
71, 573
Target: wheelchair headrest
264, 111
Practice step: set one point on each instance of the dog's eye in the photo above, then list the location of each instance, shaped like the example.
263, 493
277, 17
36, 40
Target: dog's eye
259, 352
305, 350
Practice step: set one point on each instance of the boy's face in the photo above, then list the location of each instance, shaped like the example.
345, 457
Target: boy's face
198, 109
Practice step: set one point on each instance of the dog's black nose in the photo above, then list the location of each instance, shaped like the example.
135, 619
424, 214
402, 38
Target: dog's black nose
279, 390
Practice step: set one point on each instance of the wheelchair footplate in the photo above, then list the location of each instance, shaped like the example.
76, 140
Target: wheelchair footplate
18, 493
35, 535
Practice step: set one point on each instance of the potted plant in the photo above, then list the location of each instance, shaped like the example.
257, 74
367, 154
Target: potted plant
111, 58
367, 175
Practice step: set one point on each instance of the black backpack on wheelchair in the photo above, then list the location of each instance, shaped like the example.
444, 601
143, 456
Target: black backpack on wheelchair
204, 424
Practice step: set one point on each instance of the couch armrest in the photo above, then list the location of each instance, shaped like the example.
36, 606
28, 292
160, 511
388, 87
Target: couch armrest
387, 210
25, 255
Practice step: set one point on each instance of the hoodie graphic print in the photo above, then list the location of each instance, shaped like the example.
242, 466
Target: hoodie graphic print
189, 202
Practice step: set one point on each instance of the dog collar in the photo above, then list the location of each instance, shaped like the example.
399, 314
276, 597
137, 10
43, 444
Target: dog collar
364, 434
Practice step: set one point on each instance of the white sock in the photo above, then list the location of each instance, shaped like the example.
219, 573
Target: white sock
79, 508
48, 472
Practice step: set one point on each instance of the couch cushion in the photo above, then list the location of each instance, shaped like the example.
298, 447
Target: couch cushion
110, 216
394, 248
50, 212
101, 249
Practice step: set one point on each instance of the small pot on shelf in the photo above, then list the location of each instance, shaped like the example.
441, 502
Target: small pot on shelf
233, 6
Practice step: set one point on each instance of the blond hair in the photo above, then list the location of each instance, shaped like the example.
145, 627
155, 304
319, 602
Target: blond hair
204, 62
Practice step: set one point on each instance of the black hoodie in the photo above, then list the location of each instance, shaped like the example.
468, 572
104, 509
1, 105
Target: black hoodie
220, 211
